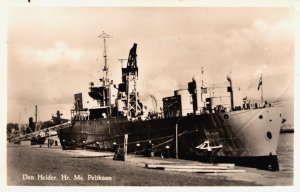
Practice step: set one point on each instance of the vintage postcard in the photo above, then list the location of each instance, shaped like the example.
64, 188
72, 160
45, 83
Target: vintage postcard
149, 94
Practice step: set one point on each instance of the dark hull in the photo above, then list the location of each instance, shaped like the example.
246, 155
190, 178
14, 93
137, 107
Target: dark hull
269, 162
241, 135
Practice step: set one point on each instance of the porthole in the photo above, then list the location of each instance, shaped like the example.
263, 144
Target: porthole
260, 116
269, 135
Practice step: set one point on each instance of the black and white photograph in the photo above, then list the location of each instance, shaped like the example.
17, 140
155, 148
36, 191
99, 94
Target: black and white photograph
184, 94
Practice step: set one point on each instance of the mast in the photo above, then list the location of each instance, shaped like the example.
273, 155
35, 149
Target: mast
261, 91
260, 86
19, 120
106, 67
202, 83
35, 118
230, 90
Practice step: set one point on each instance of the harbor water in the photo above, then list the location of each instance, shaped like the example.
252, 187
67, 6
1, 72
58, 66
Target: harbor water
285, 153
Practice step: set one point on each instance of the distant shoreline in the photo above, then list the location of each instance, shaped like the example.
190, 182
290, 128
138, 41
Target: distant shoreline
288, 130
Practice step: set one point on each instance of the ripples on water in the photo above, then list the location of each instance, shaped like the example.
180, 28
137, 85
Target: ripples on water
285, 175
285, 152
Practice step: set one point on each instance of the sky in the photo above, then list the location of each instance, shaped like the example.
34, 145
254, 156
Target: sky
53, 53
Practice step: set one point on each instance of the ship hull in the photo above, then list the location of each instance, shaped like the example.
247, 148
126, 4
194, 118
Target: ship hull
245, 137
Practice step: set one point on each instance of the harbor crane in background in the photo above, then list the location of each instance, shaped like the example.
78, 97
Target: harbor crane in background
154, 102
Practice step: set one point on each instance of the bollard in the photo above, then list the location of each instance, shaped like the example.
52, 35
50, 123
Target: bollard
97, 146
63, 145
83, 146
138, 148
115, 147
167, 155
148, 149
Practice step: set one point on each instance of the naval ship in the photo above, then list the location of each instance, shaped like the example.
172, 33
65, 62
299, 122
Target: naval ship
192, 124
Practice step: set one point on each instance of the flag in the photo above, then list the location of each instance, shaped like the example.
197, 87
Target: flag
203, 89
229, 78
259, 83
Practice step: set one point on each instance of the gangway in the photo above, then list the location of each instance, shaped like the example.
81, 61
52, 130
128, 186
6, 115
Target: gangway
41, 133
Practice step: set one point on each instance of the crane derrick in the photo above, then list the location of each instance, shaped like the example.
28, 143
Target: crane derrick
130, 77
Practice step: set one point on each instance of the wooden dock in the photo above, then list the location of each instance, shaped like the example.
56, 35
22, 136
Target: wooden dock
201, 168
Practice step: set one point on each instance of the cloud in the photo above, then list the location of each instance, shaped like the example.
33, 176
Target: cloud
46, 74
57, 53
282, 27
51, 56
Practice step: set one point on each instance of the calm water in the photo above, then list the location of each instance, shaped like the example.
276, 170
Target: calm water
283, 177
285, 153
